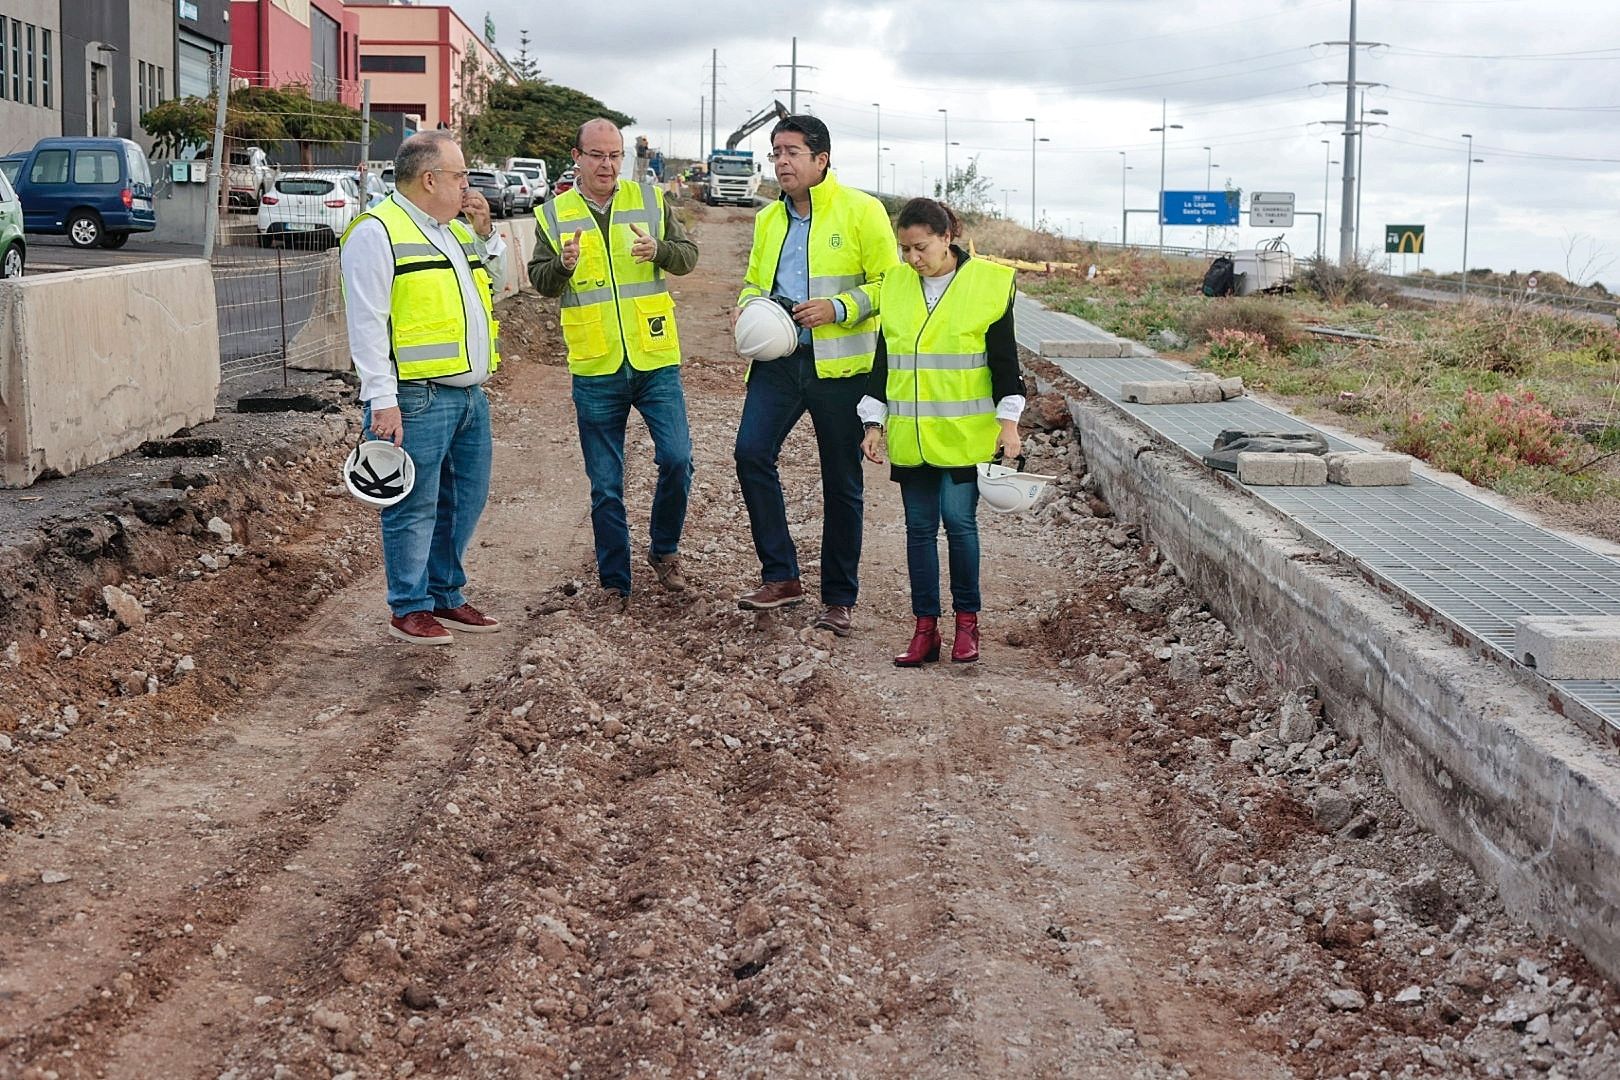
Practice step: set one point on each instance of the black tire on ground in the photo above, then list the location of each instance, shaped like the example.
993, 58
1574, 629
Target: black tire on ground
84, 229
115, 240
11, 263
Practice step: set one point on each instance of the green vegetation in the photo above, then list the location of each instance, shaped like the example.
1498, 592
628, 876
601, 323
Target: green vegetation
534, 118
258, 115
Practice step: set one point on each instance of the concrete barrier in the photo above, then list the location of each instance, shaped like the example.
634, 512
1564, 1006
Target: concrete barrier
95, 362
1529, 798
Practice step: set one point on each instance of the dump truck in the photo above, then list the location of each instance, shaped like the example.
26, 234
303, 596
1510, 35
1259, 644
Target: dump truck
733, 175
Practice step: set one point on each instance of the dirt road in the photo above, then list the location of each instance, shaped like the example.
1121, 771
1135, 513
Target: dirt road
690, 841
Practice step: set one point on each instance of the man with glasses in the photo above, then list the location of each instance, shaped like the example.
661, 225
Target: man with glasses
419, 287
823, 249
605, 247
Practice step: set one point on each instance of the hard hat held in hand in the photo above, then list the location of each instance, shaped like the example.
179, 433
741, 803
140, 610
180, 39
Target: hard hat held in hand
1010, 490
379, 473
765, 331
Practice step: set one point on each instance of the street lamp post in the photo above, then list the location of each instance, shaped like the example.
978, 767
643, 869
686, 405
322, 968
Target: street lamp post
894, 177
1006, 205
879, 109
1163, 129
1361, 161
1123, 212
1033, 222
669, 139
1468, 193
1209, 167
1321, 226
945, 190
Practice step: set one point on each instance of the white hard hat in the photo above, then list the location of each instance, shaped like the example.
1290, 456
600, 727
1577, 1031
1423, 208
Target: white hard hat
1010, 491
378, 473
765, 331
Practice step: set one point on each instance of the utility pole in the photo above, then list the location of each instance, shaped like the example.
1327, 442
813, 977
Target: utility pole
216, 170
1352, 131
792, 88
879, 107
714, 97
365, 122
701, 118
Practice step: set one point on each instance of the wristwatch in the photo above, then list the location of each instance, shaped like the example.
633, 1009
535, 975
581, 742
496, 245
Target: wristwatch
873, 425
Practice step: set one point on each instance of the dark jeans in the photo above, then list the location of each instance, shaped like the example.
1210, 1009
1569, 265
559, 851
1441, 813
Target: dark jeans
929, 496
779, 392
602, 405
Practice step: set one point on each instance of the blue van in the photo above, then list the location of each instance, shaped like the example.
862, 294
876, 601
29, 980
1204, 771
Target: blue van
96, 191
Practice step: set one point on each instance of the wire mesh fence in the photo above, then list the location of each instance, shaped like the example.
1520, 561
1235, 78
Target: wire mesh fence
292, 182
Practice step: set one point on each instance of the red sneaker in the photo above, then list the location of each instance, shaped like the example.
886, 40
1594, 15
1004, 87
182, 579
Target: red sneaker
420, 628
467, 619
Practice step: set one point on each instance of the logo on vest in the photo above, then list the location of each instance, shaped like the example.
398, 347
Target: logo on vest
655, 325
835, 241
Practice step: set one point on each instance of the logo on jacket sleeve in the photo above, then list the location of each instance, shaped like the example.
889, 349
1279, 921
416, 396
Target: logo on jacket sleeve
835, 241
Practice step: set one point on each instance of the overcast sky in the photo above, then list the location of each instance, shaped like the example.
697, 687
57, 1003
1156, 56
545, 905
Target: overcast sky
1537, 83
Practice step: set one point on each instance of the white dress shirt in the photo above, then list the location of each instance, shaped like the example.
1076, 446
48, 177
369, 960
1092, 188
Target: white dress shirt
368, 283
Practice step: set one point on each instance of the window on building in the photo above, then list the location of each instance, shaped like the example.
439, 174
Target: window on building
140, 83
324, 74
50, 167
45, 68
379, 62
16, 60
4, 67
162, 89
410, 108
96, 167
31, 95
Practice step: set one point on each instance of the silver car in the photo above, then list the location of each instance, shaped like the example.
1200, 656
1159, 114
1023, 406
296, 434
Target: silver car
522, 191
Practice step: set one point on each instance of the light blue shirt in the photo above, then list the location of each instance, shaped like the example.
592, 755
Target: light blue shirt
793, 266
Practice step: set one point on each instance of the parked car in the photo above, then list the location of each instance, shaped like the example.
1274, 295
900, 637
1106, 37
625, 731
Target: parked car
534, 169
13, 248
388, 179
97, 191
539, 187
522, 193
370, 185
492, 186
309, 207
248, 175
565, 182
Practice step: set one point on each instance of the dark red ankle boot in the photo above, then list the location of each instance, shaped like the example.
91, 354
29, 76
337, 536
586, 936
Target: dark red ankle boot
924, 648
965, 645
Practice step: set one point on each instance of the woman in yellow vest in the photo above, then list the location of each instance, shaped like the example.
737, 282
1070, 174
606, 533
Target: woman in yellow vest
944, 395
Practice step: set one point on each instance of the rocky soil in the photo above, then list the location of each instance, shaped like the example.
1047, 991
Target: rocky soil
685, 840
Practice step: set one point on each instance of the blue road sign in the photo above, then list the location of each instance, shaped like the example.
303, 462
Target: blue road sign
1200, 208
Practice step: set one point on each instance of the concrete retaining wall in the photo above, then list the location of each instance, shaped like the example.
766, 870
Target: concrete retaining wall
518, 231
1527, 797
94, 362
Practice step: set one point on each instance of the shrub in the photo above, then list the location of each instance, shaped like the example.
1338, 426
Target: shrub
1493, 337
1491, 436
1253, 315
1228, 346
1336, 284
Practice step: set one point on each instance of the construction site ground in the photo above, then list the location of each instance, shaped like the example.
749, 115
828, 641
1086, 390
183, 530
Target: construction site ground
249, 836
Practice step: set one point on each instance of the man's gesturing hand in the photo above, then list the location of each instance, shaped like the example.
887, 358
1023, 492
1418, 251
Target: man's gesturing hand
645, 246
570, 251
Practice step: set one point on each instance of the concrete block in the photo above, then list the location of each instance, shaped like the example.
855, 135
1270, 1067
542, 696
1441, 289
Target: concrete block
1569, 646
1171, 391
1085, 349
1231, 388
95, 362
1281, 470
1373, 469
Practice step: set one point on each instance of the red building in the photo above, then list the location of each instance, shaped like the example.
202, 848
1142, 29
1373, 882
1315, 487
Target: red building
315, 43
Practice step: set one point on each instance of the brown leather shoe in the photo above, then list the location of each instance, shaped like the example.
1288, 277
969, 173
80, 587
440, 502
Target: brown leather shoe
420, 628
468, 619
772, 595
668, 569
835, 617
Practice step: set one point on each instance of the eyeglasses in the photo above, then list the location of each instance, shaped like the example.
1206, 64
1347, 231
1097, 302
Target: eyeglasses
791, 153
454, 174
599, 157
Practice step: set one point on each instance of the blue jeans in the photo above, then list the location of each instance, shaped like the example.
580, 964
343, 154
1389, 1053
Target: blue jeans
425, 535
929, 496
602, 405
779, 393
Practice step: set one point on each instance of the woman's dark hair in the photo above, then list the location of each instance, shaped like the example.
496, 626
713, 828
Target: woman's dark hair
932, 215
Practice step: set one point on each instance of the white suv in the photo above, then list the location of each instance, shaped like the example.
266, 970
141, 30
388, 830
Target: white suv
309, 207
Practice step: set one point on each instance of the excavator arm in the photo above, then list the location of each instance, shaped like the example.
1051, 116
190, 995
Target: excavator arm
774, 111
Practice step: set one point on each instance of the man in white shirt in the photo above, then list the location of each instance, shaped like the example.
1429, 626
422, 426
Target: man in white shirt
419, 288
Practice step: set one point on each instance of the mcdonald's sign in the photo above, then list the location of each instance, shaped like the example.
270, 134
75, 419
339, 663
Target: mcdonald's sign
1403, 239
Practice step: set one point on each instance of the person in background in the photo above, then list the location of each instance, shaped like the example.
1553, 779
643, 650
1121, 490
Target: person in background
824, 248
419, 288
605, 247
945, 394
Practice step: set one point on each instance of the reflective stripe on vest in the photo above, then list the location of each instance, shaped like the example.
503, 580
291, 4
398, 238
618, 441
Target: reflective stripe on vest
613, 308
941, 411
426, 299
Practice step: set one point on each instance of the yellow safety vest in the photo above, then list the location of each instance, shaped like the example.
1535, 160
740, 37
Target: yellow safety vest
614, 307
851, 247
940, 407
428, 321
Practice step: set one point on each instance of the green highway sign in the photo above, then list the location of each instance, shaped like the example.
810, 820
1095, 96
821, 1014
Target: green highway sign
1403, 239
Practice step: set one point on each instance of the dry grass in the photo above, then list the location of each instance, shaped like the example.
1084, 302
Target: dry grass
998, 236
